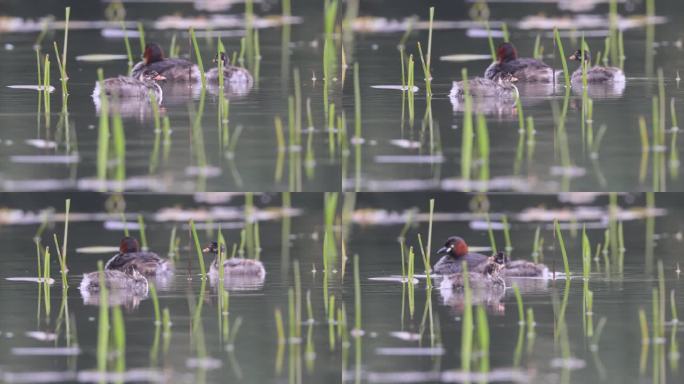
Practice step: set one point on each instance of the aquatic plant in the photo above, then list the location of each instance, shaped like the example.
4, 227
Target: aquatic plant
119, 338
143, 237
141, 37
490, 232
331, 322
357, 105
357, 296
127, 44
198, 55
46, 280
198, 249
102, 322
561, 243
483, 148
155, 304
466, 322
467, 135
519, 302
483, 338
119, 146
561, 52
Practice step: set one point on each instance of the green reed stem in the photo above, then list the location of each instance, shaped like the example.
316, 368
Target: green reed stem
119, 146
198, 248
426, 263
143, 237
467, 135
483, 147
155, 303
490, 40
103, 322
331, 322
65, 238
357, 294
561, 52
562, 247
483, 338
280, 330
127, 44
466, 322
536, 52
199, 58
490, 232
519, 302
357, 104
119, 338
141, 37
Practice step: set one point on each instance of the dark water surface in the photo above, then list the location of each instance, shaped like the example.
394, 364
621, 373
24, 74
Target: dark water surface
252, 357
252, 166
615, 357
433, 161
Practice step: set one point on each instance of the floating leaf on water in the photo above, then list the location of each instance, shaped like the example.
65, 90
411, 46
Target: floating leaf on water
206, 171
32, 185
99, 57
570, 171
585, 22
115, 225
42, 336
396, 87
137, 375
214, 197
503, 183
96, 249
221, 21
399, 159
410, 351
38, 377
398, 279
569, 363
204, 363
384, 25
30, 279
481, 32
482, 225
42, 144
117, 33
406, 336
32, 87
46, 351
408, 144
463, 57
133, 183
45, 159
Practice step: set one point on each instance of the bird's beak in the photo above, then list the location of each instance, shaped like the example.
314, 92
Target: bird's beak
442, 251
206, 250
159, 77
572, 57
514, 79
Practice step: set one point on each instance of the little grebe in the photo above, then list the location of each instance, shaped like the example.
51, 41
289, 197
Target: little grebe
131, 258
138, 86
501, 86
595, 74
455, 251
234, 266
130, 281
232, 74
525, 69
524, 268
486, 276
173, 69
